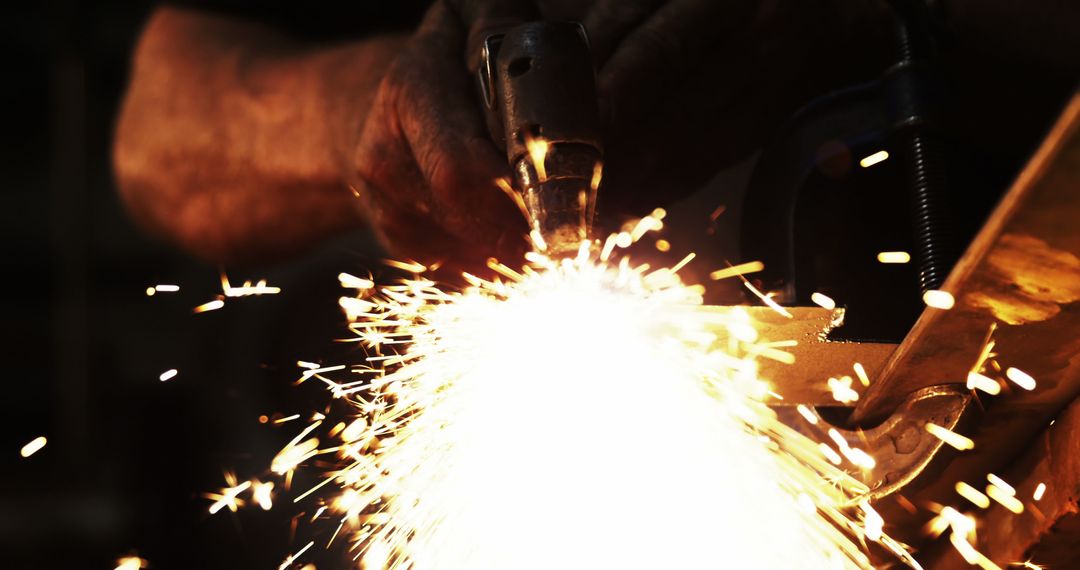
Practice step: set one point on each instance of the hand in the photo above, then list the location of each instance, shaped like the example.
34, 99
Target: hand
686, 87
424, 165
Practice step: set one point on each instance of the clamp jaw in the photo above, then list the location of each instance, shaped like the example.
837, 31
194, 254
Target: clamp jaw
539, 90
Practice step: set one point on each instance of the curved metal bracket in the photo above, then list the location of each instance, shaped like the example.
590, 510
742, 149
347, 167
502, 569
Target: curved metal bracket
901, 446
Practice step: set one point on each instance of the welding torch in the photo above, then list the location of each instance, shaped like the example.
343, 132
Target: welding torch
538, 87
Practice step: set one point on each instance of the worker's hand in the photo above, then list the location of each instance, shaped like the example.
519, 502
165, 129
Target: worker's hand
424, 166
686, 87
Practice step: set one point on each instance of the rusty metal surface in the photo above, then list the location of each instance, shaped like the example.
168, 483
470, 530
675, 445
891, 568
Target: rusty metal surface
1022, 272
816, 359
1042, 532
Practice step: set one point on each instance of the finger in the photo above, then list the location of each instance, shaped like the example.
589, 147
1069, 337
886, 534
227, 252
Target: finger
485, 17
440, 118
675, 39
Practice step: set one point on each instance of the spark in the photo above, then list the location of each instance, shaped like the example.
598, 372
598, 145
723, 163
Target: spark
34, 446
515, 196
1001, 484
262, 494
228, 496
130, 563
893, 257
150, 291
538, 149
1020, 378
663, 245
410, 266
292, 557
972, 494
841, 390
510, 401
806, 413
350, 281
597, 175
939, 299
735, 270
247, 289
1004, 498
768, 300
537, 239
950, 437
1040, 490
1028, 564
547, 415
824, 301
874, 158
976, 381
168, 375
210, 306
860, 372
872, 522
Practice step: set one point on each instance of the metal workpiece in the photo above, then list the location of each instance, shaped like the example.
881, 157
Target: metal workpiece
539, 88
902, 447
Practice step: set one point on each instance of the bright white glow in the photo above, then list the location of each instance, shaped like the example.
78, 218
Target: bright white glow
33, 447
976, 381
939, 299
586, 455
872, 159
893, 257
824, 301
1020, 378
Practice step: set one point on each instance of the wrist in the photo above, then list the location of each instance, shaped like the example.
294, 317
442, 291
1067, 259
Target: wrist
348, 80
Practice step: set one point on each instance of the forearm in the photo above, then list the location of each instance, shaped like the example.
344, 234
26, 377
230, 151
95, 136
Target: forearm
232, 139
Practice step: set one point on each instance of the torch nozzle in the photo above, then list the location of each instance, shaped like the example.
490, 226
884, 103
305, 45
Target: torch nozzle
539, 87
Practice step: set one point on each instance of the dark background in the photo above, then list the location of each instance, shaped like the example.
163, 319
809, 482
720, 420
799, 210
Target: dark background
128, 456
